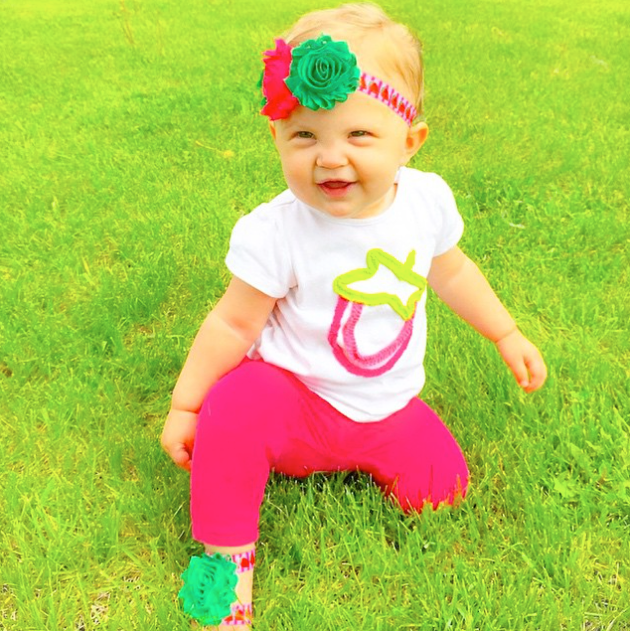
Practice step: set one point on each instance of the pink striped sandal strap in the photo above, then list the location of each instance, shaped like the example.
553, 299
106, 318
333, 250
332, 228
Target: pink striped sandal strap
245, 561
242, 613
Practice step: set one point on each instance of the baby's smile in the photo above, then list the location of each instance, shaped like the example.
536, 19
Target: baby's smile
335, 188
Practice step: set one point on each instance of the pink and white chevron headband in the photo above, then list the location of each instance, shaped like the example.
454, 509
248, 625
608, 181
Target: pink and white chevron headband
389, 96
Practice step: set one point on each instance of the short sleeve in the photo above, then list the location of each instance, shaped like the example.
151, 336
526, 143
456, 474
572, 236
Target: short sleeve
452, 227
257, 254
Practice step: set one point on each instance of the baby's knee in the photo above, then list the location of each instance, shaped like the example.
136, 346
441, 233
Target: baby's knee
444, 481
247, 402
430, 466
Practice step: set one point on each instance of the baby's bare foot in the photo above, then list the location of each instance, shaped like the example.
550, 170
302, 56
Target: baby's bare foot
244, 557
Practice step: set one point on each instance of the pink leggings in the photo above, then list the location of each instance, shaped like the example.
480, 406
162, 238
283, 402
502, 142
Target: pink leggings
260, 418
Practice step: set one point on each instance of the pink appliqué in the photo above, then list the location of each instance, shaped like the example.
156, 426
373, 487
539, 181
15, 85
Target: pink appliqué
350, 357
280, 101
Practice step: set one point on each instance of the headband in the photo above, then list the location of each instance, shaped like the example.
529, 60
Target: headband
318, 74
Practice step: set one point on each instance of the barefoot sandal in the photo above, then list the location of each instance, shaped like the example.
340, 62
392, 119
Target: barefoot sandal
209, 591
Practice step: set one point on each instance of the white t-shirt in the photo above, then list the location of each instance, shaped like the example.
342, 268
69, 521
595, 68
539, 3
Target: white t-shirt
350, 319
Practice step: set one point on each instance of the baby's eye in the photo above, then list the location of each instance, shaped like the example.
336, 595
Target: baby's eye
359, 133
304, 134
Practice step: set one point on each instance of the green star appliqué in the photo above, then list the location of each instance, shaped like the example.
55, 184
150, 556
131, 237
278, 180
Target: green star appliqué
402, 271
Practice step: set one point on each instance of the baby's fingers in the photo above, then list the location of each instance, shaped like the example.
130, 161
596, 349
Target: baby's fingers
537, 371
519, 370
524, 360
181, 456
178, 437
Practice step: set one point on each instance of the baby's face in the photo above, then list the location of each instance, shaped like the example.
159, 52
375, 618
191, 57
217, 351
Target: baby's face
344, 161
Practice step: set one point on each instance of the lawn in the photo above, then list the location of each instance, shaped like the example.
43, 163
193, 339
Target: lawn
130, 144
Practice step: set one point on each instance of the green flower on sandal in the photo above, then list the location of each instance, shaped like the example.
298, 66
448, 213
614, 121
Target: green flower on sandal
323, 72
209, 588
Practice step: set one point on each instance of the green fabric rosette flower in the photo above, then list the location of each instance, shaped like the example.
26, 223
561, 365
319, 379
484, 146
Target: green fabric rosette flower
209, 588
323, 73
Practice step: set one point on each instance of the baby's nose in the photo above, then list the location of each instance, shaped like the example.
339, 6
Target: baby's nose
331, 157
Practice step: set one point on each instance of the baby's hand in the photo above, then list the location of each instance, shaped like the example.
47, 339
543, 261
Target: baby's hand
178, 436
524, 360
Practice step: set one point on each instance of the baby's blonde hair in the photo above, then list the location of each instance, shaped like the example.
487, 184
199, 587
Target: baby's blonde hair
366, 27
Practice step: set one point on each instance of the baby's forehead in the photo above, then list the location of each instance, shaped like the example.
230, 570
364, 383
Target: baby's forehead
358, 110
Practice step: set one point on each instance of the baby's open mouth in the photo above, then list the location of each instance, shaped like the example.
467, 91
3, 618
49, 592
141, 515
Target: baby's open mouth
335, 188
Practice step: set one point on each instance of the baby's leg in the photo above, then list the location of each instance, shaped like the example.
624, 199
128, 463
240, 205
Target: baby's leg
415, 458
240, 429
257, 418
249, 424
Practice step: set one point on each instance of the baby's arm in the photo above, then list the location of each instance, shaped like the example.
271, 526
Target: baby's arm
462, 286
223, 340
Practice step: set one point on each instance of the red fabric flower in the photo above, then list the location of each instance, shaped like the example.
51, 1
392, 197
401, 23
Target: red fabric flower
280, 102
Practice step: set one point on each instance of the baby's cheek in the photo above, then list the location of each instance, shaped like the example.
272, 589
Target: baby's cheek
293, 172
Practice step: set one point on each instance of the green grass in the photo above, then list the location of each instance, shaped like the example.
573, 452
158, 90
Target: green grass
129, 146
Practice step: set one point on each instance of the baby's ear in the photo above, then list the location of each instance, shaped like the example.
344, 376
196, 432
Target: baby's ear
416, 137
272, 129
